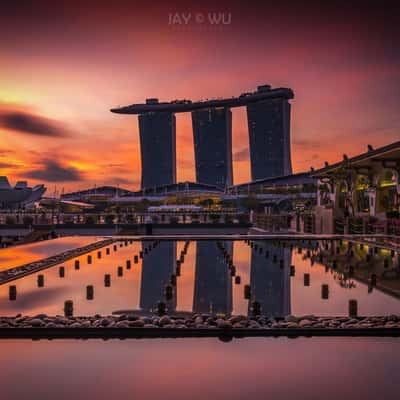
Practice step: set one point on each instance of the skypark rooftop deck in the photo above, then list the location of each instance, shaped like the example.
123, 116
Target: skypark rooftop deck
152, 105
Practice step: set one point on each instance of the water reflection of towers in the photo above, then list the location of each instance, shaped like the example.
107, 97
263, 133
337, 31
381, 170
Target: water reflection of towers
158, 267
269, 288
213, 277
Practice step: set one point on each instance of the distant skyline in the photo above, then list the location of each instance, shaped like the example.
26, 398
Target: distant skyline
65, 64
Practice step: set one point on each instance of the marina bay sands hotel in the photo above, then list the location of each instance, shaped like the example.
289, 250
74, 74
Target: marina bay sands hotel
268, 116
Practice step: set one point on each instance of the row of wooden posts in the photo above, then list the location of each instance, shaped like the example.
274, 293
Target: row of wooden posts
169, 288
90, 288
256, 306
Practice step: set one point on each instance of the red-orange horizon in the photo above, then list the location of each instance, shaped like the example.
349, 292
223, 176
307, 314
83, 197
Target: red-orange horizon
63, 68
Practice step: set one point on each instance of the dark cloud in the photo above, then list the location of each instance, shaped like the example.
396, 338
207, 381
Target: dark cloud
8, 165
5, 152
241, 155
53, 171
31, 124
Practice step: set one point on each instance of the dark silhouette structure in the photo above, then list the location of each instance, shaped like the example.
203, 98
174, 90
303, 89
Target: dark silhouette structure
157, 267
213, 282
153, 105
268, 112
212, 132
157, 146
269, 135
270, 280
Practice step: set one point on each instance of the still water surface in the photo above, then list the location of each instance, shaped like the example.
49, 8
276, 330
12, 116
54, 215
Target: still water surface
205, 283
11, 257
181, 369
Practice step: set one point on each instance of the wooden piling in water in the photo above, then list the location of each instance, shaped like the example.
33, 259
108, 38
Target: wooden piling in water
40, 280
89, 292
325, 292
68, 308
12, 293
247, 292
353, 308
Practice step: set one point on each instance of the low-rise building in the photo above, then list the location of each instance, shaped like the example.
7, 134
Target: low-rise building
360, 194
21, 196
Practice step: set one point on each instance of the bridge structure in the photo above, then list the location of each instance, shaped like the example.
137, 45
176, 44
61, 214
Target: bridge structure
268, 115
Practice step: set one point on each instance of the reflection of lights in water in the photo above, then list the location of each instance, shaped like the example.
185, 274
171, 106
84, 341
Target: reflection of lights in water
343, 280
269, 284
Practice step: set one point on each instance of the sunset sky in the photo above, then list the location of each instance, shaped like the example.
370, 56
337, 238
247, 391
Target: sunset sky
63, 65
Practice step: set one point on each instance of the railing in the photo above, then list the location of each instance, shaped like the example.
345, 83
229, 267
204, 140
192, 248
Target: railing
339, 226
309, 223
360, 226
355, 227
49, 218
376, 227
393, 227
272, 223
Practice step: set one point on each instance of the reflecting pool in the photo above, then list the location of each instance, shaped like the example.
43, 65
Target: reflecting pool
211, 276
14, 256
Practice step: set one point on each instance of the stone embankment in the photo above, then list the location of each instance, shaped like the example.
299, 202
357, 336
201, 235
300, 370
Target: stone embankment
197, 325
26, 269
